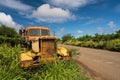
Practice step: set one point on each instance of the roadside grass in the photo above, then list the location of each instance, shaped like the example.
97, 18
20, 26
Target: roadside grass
73, 52
57, 70
112, 45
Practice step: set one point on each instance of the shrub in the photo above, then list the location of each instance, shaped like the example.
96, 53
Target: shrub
101, 44
1, 39
78, 43
9, 41
113, 45
104, 41
88, 44
67, 37
72, 52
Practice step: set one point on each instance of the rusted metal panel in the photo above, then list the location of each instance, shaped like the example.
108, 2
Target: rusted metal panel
35, 46
48, 46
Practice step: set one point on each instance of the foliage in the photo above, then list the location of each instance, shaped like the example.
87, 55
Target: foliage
85, 38
7, 31
67, 37
70, 42
9, 41
72, 52
104, 41
57, 70
113, 45
90, 44
8, 35
58, 40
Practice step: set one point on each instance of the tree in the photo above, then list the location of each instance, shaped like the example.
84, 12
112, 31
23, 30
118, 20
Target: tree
85, 38
58, 40
118, 34
97, 37
67, 37
7, 31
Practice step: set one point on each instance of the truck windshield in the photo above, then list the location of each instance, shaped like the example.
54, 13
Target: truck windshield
44, 32
36, 32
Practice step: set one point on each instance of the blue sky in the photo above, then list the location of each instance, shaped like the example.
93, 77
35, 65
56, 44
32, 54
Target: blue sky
78, 17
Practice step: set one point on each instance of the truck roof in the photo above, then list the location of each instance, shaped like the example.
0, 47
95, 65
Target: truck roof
37, 27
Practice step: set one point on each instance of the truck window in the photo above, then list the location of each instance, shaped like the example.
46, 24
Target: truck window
34, 32
44, 32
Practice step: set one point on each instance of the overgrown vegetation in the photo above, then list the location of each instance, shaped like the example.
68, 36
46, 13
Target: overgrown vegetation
9, 36
104, 41
72, 52
10, 66
57, 70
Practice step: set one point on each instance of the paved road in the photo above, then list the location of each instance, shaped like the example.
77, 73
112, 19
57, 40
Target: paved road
102, 63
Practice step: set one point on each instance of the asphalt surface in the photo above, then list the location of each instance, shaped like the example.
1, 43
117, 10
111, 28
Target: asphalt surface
100, 63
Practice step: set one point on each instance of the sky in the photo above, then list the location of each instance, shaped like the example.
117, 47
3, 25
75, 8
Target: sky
77, 17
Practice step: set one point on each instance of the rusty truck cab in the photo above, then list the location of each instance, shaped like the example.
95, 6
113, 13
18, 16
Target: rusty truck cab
42, 45
41, 40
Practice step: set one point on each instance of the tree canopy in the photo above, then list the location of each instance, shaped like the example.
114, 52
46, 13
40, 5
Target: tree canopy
7, 31
67, 37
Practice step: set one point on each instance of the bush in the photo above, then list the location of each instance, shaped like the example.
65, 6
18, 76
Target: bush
101, 45
104, 41
8, 31
78, 43
68, 42
72, 52
113, 45
9, 41
90, 44
67, 37
1, 40
73, 42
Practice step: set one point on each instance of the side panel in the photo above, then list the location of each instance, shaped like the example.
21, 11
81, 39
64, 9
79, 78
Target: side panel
48, 46
35, 46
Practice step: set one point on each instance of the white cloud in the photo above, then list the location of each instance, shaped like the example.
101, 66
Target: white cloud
93, 21
46, 13
61, 31
111, 24
71, 3
8, 21
15, 4
79, 31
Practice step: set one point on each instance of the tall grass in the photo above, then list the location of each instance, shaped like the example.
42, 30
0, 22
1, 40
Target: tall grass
57, 70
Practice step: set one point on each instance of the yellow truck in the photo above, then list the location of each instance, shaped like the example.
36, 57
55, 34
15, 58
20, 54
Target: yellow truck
41, 46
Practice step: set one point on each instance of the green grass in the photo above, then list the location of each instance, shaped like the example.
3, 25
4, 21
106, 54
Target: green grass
57, 70
72, 52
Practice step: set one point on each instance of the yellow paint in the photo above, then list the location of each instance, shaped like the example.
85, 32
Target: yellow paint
62, 51
26, 56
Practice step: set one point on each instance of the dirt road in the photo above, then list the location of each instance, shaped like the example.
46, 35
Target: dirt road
100, 63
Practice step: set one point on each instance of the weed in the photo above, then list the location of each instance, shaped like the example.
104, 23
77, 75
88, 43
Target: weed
57, 70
